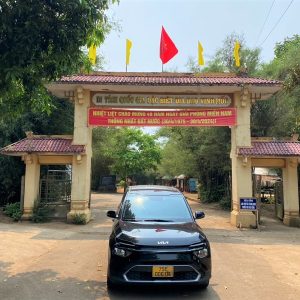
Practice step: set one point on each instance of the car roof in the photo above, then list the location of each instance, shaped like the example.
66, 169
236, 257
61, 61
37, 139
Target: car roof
153, 187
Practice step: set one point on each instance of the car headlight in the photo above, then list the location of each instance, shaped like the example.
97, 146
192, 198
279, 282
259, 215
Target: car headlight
121, 252
201, 253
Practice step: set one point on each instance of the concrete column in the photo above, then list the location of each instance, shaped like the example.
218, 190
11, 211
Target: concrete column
241, 167
290, 193
81, 165
32, 184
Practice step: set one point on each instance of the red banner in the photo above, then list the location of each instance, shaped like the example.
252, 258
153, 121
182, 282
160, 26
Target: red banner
126, 117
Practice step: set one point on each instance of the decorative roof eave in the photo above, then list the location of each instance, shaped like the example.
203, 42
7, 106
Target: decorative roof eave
44, 145
21, 154
177, 83
271, 149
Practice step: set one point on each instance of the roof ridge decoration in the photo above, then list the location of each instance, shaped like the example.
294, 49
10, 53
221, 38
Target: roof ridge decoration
167, 79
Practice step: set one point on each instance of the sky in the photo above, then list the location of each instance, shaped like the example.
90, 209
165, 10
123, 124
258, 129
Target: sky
190, 21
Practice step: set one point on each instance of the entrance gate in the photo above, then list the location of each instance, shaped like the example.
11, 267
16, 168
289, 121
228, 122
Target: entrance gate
279, 201
133, 99
55, 188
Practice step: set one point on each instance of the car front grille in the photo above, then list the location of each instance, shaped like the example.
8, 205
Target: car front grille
144, 274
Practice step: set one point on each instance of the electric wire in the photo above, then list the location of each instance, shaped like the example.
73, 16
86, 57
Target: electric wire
277, 23
266, 19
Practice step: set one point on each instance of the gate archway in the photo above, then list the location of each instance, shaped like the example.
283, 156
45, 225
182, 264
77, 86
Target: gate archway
105, 96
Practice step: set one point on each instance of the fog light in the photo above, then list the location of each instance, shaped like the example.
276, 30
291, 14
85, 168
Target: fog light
201, 253
121, 252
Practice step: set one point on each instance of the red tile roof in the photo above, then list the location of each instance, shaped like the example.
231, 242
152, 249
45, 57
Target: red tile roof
271, 148
43, 145
182, 79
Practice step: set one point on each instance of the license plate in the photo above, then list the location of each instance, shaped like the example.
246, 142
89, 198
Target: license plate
162, 271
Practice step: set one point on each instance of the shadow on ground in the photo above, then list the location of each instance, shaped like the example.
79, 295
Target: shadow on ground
46, 285
164, 293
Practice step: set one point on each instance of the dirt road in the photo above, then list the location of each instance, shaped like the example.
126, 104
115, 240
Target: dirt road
61, 261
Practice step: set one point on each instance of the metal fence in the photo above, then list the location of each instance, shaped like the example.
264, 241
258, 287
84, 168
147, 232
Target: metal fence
55, 188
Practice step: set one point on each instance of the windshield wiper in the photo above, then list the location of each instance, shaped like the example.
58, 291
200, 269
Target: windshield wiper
157, 220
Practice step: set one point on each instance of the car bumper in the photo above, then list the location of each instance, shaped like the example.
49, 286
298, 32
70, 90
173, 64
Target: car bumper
137, 269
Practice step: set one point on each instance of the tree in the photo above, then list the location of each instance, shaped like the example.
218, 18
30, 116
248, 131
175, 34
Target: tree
280, 115
133, 152
223, 59
44, 40
207, 149
177, 160
103, 139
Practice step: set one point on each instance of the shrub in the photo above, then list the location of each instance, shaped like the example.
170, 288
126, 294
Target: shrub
225, 203
79, 219
122, 183
40, 213
13, 210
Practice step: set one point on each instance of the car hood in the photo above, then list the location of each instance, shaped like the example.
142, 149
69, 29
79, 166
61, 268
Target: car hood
158, 234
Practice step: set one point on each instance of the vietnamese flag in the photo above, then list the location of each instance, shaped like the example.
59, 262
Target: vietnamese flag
167, 48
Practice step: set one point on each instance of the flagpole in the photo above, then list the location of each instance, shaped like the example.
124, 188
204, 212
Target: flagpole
162, 67
126, 68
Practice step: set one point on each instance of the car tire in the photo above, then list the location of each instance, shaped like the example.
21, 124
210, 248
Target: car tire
204, 285
111, 285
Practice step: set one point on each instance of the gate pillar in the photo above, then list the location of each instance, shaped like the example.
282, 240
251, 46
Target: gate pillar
241, 167
290, 193
32, 182
81, 166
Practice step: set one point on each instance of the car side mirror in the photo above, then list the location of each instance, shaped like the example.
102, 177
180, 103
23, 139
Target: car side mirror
111, 214
199, 214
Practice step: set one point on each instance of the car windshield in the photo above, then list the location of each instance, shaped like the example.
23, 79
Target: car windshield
155, 206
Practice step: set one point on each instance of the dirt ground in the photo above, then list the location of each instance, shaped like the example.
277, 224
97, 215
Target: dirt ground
61, 261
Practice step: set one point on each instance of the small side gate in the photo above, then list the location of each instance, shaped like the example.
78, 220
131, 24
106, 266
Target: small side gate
55, 191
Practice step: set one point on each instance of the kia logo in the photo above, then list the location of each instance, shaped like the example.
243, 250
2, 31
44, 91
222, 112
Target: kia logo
163, 243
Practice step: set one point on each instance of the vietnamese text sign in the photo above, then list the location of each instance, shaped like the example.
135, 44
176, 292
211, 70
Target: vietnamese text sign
122, 117
162, 101
248, 203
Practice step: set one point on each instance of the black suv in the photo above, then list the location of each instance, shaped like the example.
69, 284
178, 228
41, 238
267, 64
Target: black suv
155, 240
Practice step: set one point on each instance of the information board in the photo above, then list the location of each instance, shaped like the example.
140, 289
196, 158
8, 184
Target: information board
248, 203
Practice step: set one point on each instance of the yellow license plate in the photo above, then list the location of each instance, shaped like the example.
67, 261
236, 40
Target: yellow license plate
162, 271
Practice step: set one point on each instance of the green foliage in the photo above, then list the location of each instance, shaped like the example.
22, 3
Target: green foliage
79, 219
223, 59
59, 121
225, 202
42, 41
122, 183
13, 210
133, 151
203, 153
176, 160
101, 160
280, 116
41, 213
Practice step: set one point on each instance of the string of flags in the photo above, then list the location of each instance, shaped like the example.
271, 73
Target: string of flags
167, 51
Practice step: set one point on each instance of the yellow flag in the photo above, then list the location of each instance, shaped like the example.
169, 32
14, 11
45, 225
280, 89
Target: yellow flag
236, 54
128, 49
200, 55
92, 54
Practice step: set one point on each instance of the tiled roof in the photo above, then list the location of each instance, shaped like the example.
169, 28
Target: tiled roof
181, 79
43, 145
272, 148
